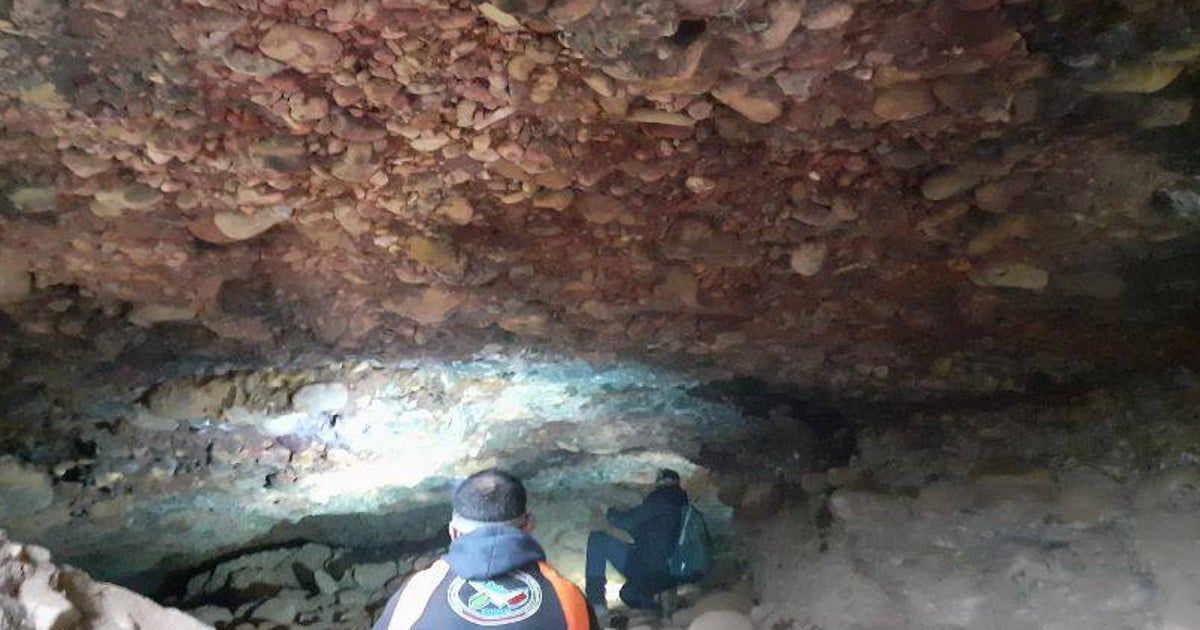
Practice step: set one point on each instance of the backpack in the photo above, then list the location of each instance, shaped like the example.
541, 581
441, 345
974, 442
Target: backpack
691, 559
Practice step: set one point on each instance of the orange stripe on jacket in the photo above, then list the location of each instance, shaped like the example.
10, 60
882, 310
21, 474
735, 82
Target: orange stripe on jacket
574, 606
415, 596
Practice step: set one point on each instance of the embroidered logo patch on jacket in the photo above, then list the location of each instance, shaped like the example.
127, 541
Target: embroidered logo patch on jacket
496, 602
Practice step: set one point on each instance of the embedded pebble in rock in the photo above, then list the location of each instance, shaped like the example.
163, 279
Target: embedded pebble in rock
240, 226
251, 63
304, 49
785, 16
951, 182
458, 210
808, 259
321, 398
504, 20
553, 200
799, 85
753, 102
113, 202
656, 117
34, 200
356, 165
150, 314
188, 401
699, 185
598, 208
904, 102
822, 16
431, 306
1012, 276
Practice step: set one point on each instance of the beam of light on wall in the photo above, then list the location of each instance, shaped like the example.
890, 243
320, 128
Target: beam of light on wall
364, 481
447, 418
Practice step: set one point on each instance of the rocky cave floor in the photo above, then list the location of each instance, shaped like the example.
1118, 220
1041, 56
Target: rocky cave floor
1066, 509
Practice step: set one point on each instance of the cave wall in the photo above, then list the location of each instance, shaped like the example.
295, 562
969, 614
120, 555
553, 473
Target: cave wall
355, 456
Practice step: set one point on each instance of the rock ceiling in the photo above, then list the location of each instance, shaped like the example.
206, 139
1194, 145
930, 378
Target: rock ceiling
922, 195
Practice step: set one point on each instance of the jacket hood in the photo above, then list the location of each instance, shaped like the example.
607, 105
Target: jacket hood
491, 551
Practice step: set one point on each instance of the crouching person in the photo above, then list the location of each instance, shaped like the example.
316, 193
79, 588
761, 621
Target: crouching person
495, 573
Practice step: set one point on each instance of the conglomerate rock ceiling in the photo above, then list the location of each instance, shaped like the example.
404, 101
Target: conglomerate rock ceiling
918, 196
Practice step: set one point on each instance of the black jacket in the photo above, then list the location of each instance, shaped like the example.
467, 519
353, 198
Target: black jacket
655, 526
492, 576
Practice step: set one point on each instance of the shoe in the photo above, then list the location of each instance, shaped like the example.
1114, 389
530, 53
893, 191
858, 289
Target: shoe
596, 598
601, 610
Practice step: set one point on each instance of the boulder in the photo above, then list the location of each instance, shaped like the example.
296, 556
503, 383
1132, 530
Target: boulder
40, 596
282, 608
372, 577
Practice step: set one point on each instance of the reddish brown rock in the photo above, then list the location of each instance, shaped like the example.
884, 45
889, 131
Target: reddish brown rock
305, 49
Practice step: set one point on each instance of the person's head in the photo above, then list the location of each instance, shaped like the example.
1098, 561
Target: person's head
666, 477
489, 497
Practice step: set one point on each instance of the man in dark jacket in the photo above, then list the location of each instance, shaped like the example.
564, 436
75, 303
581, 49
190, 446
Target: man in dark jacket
655, 526
495, 573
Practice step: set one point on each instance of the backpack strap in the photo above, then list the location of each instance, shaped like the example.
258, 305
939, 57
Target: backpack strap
574, 606
687, 518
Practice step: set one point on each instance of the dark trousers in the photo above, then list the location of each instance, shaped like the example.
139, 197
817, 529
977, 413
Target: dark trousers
602, 550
